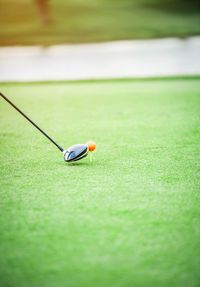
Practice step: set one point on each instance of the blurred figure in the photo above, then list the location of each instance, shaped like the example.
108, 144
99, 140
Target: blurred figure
43, 10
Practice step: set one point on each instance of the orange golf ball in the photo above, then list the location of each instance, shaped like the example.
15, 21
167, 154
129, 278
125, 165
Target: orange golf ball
91, 145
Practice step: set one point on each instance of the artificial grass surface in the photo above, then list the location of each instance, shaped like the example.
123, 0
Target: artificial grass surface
80, 21
129, 218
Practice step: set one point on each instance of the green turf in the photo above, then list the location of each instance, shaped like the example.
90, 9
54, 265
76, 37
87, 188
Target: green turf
129, 218
78, 21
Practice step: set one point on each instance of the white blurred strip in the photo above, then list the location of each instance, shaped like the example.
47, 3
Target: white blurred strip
120, 59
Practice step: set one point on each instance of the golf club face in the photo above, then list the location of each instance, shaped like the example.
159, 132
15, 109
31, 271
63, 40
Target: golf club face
75, 152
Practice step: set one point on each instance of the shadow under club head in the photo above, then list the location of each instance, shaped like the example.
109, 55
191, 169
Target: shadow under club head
75, 152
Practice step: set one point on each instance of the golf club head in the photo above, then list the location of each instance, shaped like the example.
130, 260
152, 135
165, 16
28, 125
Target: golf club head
75, 152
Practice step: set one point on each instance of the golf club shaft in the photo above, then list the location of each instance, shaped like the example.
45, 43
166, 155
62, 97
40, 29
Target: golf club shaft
7, 100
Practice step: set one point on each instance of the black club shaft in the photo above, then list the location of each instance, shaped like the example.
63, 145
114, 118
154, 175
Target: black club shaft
7, 100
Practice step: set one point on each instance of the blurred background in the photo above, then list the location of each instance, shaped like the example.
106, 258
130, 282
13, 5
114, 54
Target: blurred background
49, 22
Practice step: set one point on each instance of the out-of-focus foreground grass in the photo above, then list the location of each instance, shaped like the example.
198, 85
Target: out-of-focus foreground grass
78, 21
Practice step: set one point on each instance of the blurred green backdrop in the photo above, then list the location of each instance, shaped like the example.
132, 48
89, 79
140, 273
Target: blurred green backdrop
78, 21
